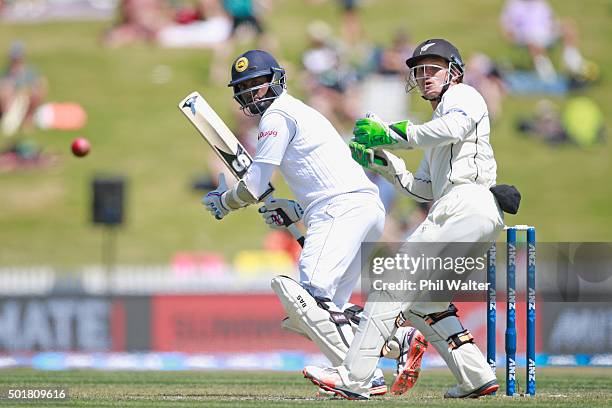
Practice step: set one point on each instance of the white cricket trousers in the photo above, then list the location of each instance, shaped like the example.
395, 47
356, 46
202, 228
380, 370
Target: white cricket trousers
469, 214
331, 258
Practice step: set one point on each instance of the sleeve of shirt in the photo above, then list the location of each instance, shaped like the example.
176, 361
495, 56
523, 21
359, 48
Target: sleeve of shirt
275, 133
258, 177
462, 110
418, 185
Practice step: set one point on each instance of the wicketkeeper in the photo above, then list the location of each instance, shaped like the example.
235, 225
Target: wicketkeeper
458, 174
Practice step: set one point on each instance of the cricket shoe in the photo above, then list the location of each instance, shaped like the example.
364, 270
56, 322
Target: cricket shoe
378, 387
408, 346
335, 379
486, 389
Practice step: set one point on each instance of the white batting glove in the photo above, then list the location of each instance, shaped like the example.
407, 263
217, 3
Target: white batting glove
280, 213
213, 201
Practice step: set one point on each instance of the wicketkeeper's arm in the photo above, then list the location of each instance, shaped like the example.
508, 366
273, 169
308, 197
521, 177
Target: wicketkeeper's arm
453, 127
393, 169
418, 185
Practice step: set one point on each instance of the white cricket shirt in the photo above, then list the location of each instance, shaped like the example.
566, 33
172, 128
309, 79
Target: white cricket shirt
312, 157
456, 145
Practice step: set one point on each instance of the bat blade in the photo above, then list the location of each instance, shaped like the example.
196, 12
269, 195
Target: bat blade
216, 133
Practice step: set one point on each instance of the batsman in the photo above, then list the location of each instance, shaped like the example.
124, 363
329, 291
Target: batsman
457, 174
339, 205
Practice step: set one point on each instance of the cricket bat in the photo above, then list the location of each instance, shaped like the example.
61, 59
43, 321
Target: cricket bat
224, 143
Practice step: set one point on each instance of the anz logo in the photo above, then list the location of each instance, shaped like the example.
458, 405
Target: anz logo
532, 370
532, 255
511, 299
511, 369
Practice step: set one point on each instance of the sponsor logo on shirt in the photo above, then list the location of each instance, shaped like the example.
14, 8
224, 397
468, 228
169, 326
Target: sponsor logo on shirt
266, 134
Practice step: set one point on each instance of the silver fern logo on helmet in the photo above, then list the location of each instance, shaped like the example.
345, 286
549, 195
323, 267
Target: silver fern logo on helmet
426, 46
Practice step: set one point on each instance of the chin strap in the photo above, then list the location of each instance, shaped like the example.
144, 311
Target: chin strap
445, 87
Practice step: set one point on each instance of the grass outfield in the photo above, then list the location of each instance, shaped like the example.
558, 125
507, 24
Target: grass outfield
558, 387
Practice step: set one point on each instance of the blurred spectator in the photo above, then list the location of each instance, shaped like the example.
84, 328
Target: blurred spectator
583, 121
351, 28
533, 24
201, 10
242, 13
22, 90
383, 88
139, 21
580, 122
23, 154
246, 25
205, 25
392, 60
546, 123
328, 79
483, 74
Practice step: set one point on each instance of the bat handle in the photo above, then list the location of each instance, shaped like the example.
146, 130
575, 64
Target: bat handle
296, 234
288, 223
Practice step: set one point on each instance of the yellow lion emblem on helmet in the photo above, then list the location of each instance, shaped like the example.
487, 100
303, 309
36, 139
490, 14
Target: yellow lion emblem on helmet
241, 64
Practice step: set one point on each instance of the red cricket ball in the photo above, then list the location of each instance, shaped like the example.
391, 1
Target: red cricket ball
80, 146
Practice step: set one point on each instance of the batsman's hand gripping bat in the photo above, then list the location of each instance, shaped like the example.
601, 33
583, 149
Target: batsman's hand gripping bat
223, 142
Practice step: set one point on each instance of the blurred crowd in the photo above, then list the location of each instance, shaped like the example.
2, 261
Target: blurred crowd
344, 74
22, 90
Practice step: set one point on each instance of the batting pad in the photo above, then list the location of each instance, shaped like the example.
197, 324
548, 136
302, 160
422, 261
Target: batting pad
295, 327
328, 329
467, 363
378, 323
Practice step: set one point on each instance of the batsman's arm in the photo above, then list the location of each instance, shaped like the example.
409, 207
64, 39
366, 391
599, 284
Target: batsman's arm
253, 188
257, 180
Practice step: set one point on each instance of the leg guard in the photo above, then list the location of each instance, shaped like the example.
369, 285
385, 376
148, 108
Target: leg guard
329, 329
379, 322
456, 346
352, 312
292, 326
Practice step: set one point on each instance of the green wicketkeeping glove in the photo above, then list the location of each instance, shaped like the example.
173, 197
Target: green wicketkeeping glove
371, 131
379, 161
364, 156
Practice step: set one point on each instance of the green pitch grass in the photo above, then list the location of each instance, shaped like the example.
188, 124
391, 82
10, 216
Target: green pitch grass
565, 387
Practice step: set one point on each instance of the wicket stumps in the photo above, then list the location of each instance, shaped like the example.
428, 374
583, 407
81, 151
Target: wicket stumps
510, 335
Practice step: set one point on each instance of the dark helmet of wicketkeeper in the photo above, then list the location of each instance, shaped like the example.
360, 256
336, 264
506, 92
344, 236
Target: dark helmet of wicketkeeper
435, 47
245, 69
